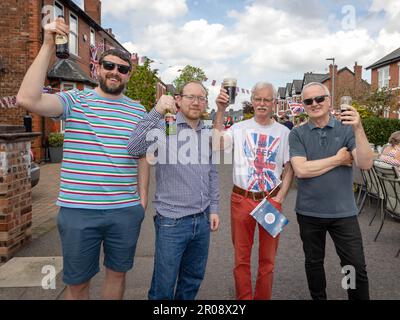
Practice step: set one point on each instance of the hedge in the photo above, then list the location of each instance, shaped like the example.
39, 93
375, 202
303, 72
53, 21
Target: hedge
378, 130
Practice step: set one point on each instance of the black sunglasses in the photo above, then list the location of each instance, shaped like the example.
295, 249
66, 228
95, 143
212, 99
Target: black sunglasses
108, 65
319, 99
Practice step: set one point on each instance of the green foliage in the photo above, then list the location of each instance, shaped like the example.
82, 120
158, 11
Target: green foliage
142, 85
187, 74
379, 100
56, 139
364, 112
378, 130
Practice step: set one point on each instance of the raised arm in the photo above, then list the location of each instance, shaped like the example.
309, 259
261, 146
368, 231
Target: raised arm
221, 141
30, 96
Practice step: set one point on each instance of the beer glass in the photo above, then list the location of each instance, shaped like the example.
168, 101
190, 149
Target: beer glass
345, 102
230, 85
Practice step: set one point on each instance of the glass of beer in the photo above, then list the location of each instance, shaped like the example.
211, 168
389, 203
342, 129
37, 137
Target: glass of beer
345, 102
230, 85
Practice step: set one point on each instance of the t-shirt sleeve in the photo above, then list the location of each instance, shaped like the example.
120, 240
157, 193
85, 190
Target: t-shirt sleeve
296, 146
68, 99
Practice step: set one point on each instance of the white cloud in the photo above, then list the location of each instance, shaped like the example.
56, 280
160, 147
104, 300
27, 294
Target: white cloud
269, 40
144, 10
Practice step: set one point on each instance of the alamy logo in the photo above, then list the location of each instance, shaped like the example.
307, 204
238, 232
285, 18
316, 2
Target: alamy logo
49, 280
349, 281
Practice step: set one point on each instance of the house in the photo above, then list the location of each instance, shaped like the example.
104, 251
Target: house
281, 99
21, 37
385, 74
297, 86
346, 83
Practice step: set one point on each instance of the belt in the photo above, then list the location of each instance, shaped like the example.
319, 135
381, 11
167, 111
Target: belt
256, 196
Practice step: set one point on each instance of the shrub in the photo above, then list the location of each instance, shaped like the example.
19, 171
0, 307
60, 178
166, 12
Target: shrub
378, 130
56, 139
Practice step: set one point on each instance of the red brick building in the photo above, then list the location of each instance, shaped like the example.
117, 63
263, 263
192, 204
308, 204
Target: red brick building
21, 37
347, 83
385, 74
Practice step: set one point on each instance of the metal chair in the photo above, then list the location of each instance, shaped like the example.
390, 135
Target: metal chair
390, 182
372, 190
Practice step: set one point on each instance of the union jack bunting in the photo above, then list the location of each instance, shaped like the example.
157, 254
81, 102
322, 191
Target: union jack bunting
296, 108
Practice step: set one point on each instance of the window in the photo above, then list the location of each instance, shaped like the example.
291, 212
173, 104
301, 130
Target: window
383, 77
73, 34
58, 9
65, 86
398, 83
92, 37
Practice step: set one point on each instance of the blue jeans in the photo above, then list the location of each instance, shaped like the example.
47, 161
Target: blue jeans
181, 254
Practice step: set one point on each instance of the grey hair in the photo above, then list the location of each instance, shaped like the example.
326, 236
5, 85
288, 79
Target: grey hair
311, 84
261, 85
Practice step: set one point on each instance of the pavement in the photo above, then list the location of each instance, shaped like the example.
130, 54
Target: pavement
289, 279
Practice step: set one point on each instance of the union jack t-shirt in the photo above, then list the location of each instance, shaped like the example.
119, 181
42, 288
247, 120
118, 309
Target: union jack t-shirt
260, 153
97, 172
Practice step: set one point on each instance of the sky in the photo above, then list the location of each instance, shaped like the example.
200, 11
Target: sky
254, 40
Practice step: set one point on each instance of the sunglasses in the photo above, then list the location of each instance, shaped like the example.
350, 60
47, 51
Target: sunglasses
108, 65
319, 99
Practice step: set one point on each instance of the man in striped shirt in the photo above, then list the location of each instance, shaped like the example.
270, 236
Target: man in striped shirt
187, 194
103, 192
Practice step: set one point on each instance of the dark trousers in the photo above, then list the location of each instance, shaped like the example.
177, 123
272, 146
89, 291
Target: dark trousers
346, 235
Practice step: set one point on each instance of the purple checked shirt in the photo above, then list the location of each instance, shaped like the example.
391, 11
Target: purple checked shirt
186, 178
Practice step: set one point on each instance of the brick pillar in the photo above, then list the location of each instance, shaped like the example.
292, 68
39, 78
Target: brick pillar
15, 189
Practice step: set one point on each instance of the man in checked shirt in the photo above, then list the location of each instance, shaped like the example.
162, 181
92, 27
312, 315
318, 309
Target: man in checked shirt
186, 199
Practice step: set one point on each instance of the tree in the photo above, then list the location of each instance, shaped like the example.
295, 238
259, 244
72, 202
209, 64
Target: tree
379, 101
187, 74
142, 85
247, 108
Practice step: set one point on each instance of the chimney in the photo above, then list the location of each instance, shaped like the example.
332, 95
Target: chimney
93, 9
357, 79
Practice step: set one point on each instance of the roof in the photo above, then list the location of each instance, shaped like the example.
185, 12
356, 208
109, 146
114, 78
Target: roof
171, 88
389, 59
68, 70
282, 92
298, 85
314, 77
289, 88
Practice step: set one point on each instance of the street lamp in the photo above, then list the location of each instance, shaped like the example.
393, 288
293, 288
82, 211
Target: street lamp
333, 82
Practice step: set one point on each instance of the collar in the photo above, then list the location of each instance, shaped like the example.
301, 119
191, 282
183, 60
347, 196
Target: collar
181, 119
331, 123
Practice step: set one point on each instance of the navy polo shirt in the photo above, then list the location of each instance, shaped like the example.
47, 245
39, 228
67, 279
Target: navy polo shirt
329, 195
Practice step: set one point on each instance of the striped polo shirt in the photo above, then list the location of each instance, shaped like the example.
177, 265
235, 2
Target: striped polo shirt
97, 172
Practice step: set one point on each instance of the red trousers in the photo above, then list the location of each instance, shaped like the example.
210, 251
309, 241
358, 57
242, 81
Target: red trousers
243, 226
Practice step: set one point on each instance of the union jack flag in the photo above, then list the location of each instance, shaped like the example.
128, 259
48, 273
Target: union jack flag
261, 151
93, 61
296, 108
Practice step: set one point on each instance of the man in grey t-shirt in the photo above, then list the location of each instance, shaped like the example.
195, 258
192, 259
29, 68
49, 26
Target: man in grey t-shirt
321, 153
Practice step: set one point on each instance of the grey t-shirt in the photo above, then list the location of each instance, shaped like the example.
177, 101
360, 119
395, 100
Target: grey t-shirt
329, 195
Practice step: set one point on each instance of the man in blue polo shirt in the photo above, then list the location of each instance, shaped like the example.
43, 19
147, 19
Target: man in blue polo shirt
321, 153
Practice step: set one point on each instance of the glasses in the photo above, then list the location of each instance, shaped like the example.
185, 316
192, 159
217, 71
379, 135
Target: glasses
108, 65
263, 100
193, 98
319, 99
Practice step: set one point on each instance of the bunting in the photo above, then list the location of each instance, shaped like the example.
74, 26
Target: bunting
8, 102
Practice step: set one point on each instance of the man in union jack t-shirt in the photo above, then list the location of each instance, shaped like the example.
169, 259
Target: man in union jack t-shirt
261, 168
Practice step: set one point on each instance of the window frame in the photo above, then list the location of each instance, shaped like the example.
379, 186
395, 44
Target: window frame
60, 6
385, 78
73, 16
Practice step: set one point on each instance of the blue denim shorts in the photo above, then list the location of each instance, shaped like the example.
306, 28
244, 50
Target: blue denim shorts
82, 231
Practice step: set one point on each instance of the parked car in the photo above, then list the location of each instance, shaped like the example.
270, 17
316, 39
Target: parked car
35, 171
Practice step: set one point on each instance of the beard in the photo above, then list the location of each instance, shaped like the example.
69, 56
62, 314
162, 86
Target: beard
111, 89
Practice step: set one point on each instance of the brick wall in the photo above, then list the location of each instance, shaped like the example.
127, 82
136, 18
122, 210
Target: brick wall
15, 193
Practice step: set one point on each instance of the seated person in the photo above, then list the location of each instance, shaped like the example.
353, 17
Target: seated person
391, 154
